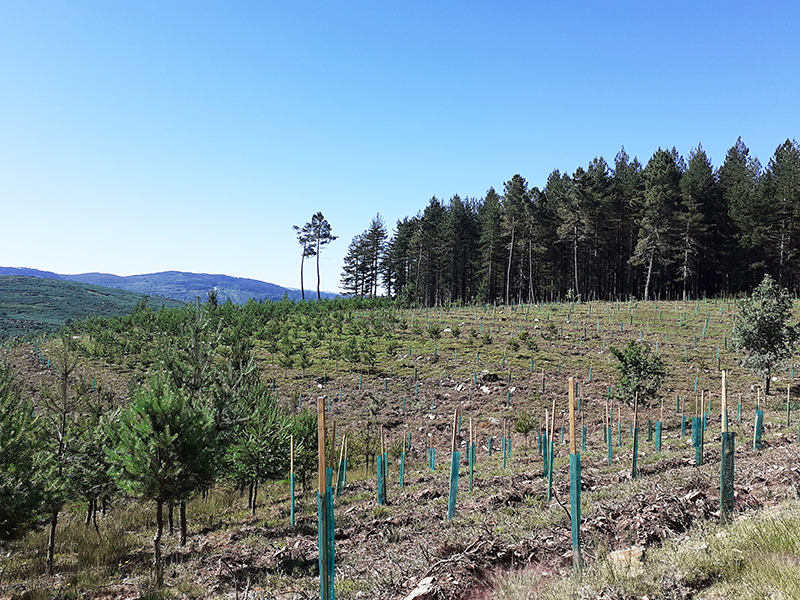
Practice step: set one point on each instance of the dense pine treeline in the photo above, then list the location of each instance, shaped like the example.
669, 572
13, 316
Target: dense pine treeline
673, 228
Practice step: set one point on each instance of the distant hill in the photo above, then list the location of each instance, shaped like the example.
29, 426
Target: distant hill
34, 304
179, 285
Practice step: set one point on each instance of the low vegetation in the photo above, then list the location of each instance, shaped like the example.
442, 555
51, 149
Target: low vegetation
129, 423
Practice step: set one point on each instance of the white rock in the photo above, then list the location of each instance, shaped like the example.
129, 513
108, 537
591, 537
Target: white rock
423, 591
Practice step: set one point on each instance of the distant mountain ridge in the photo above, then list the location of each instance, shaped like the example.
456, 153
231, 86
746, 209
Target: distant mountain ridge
178, 285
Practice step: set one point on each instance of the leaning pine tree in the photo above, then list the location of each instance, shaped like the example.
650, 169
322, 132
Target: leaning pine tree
163, 449
760, 331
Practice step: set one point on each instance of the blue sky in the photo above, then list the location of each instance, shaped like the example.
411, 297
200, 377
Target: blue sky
149, 136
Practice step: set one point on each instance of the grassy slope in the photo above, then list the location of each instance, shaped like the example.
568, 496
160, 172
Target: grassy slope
411, 529
34, 305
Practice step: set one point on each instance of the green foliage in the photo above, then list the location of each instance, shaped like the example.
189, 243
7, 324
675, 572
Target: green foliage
303, 426
90, 474
366, 444
750, 560
761, 332
30, 305
21, 490
524, 424
163, 447
641, 372
259, 450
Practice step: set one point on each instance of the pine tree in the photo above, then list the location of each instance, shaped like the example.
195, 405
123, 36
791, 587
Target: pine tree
515, 204
260, 448
305, 237
660, 201
430, 262
163, 449
578, 215
321, 237
783, 190
741, 183
397, 265
460, 237
304, 429
22, 493
627, 189
354, 270
60, 413
490, 215
698, 187
374, 240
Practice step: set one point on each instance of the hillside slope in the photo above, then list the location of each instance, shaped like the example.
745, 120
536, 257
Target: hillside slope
179, 285
35, 304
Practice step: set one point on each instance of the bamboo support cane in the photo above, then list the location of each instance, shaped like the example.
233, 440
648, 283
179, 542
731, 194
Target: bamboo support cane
321, 445
571, 384
333, 446
339, 467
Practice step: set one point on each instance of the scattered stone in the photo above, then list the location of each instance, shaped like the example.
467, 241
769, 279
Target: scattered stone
628, 562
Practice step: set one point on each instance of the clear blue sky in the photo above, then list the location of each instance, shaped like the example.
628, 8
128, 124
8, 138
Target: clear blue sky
149, 136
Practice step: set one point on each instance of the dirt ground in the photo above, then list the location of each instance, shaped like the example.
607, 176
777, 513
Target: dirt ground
504, 523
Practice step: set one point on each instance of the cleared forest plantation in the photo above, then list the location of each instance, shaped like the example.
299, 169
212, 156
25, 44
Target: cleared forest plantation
124, 423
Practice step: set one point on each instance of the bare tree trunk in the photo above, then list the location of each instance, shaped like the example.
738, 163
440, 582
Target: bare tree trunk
51, 541
182, 509
685, 271
319, 296
302, 263
649, 273
575, 259
255, 497
170, 512
157, 543
530, 271
508, 270
419, 264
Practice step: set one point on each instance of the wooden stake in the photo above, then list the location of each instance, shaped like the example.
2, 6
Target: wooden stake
553, 422
323, 472
333, 445
571, 384
547, 421
341, 458
724, 408
455, 429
